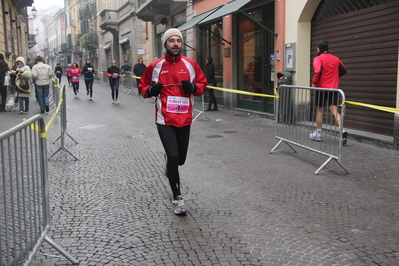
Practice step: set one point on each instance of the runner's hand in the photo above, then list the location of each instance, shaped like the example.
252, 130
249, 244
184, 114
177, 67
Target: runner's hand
188, 87
155, 89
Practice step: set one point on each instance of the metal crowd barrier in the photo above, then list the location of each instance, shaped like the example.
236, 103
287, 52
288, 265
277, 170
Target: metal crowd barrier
54, 93
199, 107
24, 196
62, 111
127, 83
295, 114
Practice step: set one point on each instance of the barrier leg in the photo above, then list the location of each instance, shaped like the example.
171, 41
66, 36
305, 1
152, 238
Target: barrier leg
275, 147
61, 250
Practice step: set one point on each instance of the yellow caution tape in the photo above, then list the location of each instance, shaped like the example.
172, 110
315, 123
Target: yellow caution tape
55, 114
381, 108
242, 92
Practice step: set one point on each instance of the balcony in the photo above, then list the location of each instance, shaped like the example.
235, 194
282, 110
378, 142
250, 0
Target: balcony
148, 9
20, 4
126, 11
109, 20
31, 40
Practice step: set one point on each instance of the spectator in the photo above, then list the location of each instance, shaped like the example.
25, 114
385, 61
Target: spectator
42, 75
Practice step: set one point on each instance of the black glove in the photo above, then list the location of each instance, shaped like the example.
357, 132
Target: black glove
155, 89
188, 87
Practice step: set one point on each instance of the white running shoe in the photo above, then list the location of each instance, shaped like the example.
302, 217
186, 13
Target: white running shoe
178, 205
315, 136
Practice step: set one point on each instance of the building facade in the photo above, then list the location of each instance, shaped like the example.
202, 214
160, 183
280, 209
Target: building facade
15, 39
249, 40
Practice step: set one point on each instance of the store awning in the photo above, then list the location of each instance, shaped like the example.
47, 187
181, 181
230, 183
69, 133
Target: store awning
233, 7
197, 19
230, 7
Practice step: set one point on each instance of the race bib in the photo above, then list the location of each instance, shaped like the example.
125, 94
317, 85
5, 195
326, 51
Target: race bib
74, 78
177, 104
114, 75
58, 72
90, 69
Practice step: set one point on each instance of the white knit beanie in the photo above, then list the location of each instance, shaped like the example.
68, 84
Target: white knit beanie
171, 32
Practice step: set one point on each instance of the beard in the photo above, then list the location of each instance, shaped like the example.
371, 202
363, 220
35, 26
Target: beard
173, 52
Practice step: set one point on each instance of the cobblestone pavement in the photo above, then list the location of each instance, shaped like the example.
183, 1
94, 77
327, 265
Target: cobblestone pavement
245, 206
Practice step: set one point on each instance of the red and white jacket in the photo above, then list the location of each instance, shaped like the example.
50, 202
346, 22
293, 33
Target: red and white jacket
173, 106
327, 70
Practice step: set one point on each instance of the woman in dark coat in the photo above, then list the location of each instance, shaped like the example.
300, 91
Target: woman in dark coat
210, 76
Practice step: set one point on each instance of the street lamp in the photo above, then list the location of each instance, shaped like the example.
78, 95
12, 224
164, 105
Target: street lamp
33, 12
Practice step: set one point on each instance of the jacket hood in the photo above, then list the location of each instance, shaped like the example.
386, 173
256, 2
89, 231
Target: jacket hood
20, 59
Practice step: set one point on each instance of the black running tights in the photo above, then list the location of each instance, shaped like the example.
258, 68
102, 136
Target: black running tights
175, 142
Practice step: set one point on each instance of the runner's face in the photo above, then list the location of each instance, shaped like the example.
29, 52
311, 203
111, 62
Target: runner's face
173, 45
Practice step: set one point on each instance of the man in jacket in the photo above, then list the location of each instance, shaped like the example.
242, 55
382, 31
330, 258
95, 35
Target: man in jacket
3, 89
174, 80
327, 70
125, 70
42, 74
138, 70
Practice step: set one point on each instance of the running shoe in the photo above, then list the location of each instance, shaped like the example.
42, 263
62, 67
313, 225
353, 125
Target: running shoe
344, 137
315, 136
178, 205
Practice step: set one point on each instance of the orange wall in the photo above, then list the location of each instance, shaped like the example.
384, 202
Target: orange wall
206, 5
280, 40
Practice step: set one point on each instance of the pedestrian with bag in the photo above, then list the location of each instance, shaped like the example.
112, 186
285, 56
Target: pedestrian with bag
22, 75
210, 77
75, 73
88, 72
113, 73
174, 80
42, 75
138, 70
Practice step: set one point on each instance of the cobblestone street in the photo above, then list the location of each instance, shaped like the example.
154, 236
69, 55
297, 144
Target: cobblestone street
245, 206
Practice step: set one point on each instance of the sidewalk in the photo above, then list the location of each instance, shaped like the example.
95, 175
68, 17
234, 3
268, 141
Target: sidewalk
245, 206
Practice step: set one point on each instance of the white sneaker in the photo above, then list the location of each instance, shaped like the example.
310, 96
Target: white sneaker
116, 101
113, 101
178, 205
315, 136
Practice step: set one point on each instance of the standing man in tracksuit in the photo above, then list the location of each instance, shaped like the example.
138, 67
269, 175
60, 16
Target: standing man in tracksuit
174, 80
